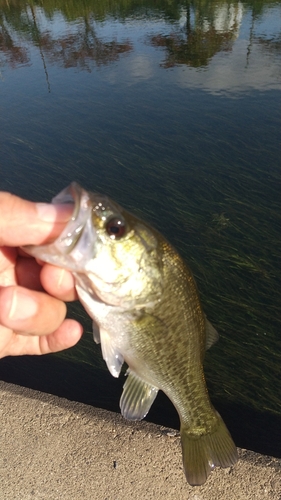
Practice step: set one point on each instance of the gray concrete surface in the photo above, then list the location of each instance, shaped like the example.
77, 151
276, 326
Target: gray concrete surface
55, 449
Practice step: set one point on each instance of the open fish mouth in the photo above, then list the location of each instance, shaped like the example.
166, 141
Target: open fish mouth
76, 244
79, 232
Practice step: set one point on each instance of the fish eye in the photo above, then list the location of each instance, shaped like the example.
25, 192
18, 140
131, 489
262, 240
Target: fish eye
115, 228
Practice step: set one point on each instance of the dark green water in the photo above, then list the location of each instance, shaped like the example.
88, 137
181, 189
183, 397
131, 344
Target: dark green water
172, 109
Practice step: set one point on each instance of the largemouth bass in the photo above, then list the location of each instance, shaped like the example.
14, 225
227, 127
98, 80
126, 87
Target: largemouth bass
147, 312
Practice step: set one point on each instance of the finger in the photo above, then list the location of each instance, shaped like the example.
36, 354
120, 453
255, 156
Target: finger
58, 282
26, 223
30, 312
8, 257
66, 336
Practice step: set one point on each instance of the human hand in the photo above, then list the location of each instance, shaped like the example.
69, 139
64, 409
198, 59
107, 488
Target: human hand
32, 308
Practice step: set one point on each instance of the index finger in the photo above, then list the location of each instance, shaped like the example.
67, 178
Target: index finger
23, 222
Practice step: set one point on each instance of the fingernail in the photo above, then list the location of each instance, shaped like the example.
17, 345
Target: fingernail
54, 213
23, 306
60, 277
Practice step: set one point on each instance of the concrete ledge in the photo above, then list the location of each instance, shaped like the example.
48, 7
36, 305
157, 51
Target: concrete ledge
55, 449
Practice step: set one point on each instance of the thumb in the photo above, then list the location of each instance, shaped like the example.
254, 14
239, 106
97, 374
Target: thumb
23, 222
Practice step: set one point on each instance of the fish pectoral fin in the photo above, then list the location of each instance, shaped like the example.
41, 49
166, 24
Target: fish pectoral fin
137, 397
212, 335
96, 333
110, 353
201, 453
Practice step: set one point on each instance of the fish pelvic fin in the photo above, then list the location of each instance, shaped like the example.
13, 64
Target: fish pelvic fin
137, 397
96, 333
202, 453
110, 353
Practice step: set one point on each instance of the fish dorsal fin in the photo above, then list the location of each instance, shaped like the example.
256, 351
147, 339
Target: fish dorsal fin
137, 397
212, 335
96, 333
110, 353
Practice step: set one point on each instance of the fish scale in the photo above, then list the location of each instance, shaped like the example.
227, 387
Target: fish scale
180, 377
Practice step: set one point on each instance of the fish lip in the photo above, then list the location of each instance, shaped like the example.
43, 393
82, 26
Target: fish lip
78, 239
76, 245
72, 194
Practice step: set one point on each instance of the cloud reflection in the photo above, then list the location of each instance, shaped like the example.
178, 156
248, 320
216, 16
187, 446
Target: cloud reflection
218, 47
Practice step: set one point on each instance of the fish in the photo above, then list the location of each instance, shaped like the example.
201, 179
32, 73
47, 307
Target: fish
146, 313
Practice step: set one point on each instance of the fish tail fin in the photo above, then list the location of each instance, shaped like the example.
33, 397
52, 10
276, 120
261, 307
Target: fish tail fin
202, 453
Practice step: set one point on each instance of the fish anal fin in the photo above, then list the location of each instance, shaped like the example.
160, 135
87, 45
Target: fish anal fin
212, 335
110, 353
202, 453
137, 397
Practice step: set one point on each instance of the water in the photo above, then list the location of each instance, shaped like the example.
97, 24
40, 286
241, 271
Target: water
172, 109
